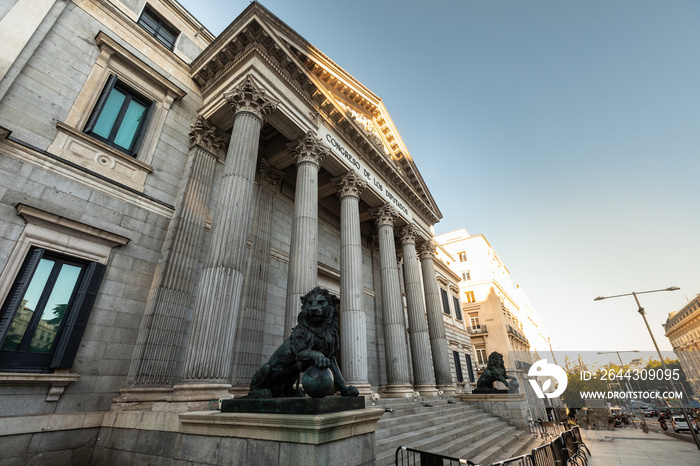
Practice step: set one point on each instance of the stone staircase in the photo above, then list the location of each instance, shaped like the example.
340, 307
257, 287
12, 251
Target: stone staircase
450, 427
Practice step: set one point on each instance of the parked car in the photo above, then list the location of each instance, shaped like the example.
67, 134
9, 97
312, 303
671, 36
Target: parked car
679, 424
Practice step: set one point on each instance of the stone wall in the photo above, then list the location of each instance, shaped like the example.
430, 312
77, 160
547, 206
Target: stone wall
131, 446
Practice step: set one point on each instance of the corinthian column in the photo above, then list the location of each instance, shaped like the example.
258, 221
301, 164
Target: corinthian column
251, 321
308, 152
353, 326
208, 359
398, 379
161, 334
436, 326
417, 324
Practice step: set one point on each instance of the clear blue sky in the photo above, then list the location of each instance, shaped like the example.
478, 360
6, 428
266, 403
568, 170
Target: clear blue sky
566, 132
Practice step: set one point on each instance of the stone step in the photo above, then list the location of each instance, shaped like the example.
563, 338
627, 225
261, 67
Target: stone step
510, 444
474, 444
401, 403
399, 426
397, 418
434, 439
455, 429
424, 434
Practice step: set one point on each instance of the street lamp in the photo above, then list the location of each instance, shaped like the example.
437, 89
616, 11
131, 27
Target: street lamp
658, 351
629, 389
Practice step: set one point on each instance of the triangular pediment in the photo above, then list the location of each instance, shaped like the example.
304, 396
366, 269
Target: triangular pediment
341, 101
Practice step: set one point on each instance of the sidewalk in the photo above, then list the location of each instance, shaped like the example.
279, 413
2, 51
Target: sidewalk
632, 447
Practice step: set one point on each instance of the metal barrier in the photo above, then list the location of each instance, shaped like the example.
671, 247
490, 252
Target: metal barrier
524, 460
411, 457
566, 449
544, 456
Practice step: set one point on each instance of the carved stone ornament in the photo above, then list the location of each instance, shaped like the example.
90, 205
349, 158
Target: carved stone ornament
426, 250
367, 125
247, 97
408, 234
349, 184
269, 175
308, 149
204, 134
385, 215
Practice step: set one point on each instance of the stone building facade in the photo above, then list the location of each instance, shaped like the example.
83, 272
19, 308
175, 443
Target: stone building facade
500, 315
166, 197
683, 331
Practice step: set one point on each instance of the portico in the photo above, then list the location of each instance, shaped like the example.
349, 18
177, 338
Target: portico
304, 172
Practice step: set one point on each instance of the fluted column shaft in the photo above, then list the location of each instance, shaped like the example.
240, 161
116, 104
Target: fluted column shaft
251, 321
417, 323
353, 325
210, 346
161, 335
436, 325
308, 153
395, 349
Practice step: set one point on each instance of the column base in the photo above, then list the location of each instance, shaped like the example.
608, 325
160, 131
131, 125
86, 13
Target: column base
447, 389
201, 391
398, 391
426, 390
178, 399
239, 390
364, 388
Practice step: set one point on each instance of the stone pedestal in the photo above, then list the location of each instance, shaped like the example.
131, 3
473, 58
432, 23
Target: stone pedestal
342, 438
511, 407
211, 437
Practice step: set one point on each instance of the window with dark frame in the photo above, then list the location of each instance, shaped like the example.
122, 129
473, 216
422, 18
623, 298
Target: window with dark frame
458, 308
481, 356
120, 117
43, 317
155, 26
445, 302
470, 367
462, 256
458, 367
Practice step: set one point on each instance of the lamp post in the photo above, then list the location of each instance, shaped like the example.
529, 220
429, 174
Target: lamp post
629, 389
658, 351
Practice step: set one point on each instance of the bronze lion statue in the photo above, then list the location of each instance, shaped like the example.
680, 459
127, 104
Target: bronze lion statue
495, 371
314, 342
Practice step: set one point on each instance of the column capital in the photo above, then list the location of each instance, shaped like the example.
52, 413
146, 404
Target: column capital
426, 250
349, 184
308, 149
385, 215
247, 97
269, 175
408, 234
204, 134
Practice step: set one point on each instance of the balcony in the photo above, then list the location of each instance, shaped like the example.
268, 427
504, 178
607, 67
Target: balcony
517, 334
477, 330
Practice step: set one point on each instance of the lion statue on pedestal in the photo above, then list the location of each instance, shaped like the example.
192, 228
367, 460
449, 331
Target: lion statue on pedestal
495, 372
314, 342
